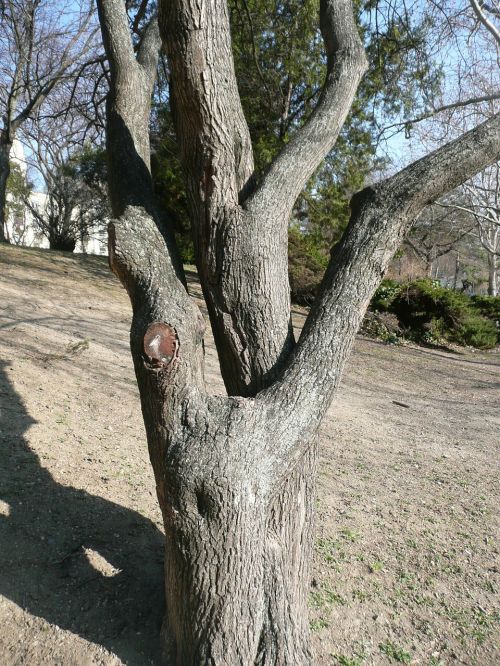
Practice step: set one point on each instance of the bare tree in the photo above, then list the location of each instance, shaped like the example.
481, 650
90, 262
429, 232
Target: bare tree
235, 475
463, 39
480, 199
42, 43
475, 81
439, 230
483, 197
70, 209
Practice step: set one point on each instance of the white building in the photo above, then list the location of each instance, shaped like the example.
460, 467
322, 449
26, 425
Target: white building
21, 228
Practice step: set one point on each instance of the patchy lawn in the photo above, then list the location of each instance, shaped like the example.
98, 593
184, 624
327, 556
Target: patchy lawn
406, 563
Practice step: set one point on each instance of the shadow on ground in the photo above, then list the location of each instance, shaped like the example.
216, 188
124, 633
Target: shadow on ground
45, 568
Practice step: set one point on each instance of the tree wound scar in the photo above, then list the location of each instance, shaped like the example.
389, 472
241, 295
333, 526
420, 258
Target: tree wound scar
161, 346
207, 181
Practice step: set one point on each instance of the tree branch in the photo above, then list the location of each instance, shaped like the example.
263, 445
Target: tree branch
149, 49
242, 261
440, 109
466, 210
129, 107
44, 83
298, 160
482, 18
492, 10
145, 264
381, 216
139, 16
210, 124
116, 35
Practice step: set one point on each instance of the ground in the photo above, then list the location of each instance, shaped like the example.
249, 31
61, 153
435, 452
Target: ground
406, 563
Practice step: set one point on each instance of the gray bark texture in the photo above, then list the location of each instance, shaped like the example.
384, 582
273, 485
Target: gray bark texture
235, 475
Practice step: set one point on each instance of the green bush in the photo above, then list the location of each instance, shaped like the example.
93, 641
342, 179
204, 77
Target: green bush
427, 311
489, 307
385, 295
476, 331
423, 310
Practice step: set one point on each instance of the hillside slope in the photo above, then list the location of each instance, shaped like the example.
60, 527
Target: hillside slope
406, 565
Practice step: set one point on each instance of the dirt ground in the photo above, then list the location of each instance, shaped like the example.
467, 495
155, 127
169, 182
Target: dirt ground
406, 555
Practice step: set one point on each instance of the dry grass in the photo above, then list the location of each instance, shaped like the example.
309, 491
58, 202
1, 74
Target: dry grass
406, 562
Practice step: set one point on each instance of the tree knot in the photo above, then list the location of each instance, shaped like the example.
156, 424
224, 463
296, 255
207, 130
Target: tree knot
161, 346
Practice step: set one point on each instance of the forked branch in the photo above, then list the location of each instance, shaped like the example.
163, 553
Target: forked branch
129, 106
346, 64
118, 42
116, 35
381, 216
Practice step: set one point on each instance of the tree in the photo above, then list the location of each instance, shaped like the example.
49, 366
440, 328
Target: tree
277, 48
437, 232
42, 44
71, 211
235, 474
483, 201
480, 199
75, 205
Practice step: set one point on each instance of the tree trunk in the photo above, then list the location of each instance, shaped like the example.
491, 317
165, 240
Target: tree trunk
238, 522
235, 475
457, 271
285, 634
238, 539
4, 175
492, 274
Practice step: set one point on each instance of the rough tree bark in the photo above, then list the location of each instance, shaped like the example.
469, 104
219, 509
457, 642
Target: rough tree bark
235, 475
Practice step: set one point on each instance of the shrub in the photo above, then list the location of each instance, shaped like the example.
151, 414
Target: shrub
476, 331
383, 326
489, 307
425, 309
385, 295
